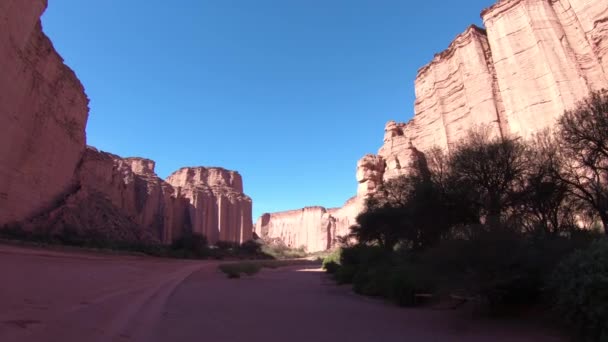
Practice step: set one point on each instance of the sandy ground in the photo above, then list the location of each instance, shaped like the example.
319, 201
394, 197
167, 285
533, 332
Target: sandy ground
64, 296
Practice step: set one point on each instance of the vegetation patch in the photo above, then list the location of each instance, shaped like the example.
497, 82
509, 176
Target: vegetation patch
236, 269
508, 222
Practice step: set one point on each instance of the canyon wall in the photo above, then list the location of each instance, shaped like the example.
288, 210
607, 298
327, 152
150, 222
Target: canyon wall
313, 228
115, 199
43, 114
218, 208
533, 60
52, 184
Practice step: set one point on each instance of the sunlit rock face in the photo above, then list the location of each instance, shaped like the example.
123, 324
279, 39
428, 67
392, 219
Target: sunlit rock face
218, 207
533, 60
370, 170
547, 55
454, 92
43, 113
314, 228
52, 183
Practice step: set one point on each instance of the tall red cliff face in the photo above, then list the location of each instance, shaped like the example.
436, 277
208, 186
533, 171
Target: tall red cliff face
218, 207
51, 182
533, 60
313, 228
43, 113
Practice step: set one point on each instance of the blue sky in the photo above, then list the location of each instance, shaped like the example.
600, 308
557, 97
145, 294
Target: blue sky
290, 93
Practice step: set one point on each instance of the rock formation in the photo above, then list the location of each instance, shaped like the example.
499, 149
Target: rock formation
218, 208
313, 228
43, 113
50, 183
534, 59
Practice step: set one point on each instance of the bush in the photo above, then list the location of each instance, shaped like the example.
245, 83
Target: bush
226, 245
372, 280
402, 286
251, 248
191, 245
331, 263
580, 288
373, 271
281, 251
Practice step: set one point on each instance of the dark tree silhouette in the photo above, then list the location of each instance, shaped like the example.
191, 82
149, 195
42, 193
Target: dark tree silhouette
491, 172
545, 201
583, 137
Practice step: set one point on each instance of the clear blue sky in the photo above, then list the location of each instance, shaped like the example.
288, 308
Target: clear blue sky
290, 93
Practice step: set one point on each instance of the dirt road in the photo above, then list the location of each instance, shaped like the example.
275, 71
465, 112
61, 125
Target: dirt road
64, 297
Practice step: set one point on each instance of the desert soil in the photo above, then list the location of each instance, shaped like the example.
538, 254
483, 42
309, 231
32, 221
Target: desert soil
69, 296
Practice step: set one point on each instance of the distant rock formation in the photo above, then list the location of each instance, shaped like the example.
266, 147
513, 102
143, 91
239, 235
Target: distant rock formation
534, 59
51, 182
218, 208
314, 228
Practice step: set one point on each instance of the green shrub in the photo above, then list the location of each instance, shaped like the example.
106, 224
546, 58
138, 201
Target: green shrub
250, 248
363, 254
372, 280
505, 267
226, 245
191, 245
404, 283
281, 251
331, 263
331, 267
346, 273
580, 288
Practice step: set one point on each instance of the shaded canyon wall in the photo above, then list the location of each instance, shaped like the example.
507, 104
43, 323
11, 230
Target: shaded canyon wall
52, 183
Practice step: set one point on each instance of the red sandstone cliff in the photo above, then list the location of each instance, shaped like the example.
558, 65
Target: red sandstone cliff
218, 208
314, 228
43, 113
534, 59
51, 183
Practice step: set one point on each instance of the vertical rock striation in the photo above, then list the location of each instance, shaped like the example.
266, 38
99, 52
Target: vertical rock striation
43, 114
314, 228
117, 199
218, 207
533, 60
545, 60
51, 183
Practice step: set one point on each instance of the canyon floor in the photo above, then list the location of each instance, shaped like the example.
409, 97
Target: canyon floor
73, 296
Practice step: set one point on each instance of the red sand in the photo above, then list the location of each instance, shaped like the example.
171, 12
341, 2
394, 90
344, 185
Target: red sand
64, 297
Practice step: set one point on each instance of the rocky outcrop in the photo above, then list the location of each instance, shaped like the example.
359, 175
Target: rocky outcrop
51, 184
117, 199
455, 92
534, 59
370, 171
43, 114
218, 208
313, 228
548, 55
